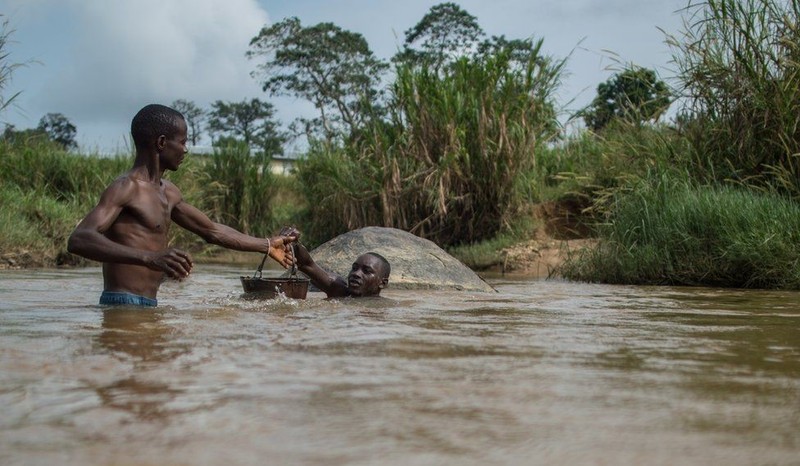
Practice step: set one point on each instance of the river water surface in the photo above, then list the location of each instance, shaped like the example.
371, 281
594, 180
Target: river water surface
542, 372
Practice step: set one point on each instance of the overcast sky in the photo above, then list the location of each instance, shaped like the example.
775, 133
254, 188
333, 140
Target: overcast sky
99, 61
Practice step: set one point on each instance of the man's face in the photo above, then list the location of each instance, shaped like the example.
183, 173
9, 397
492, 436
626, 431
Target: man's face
174, 148
366, 276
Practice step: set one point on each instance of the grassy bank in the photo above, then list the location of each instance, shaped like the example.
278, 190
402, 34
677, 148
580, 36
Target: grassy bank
45, 191
656, 225
669, 231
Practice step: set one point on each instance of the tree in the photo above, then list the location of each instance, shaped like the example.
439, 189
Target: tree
443, 35
521, 52
332, 68
194, 115
251, 121
636, 95
59, 129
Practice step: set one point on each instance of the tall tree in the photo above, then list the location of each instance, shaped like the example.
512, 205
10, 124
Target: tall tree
59, 129
252, 121
635, 95
195, 117
443, 35
332, 68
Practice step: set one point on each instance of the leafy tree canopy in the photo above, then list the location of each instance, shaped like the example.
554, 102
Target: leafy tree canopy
252, 121
332, 68
444, 34
635, 95
59, 129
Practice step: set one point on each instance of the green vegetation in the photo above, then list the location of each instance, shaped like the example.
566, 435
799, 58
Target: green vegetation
739, 68
723, 209
670, 231
634, 95
465, 141
452, 163
7, 67
45, 191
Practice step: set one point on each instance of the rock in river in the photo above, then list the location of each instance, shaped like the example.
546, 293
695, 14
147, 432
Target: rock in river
416, 263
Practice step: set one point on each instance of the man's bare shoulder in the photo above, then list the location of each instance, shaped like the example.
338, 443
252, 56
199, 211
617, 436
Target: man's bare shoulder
172, 191
121, 189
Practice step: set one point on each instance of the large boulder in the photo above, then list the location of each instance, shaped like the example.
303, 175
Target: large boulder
416, 263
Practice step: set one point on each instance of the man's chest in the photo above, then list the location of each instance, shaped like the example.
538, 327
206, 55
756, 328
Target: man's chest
151, 208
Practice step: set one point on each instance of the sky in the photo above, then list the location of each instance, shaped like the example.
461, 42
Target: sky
98, 62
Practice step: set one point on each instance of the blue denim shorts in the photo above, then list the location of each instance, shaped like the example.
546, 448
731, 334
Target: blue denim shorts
118, 297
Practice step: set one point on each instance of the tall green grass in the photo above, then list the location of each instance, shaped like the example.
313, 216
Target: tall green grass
739, 70
666, 230
45, 191
451, 162
597, 164
60, 174
36, 225
240, 189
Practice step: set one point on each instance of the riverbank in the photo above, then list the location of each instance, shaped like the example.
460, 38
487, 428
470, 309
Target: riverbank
556, 237
537, 257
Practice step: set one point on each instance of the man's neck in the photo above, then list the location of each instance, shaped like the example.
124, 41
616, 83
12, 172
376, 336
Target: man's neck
146, 167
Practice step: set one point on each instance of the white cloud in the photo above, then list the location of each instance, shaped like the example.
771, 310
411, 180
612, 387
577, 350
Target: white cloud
125, 54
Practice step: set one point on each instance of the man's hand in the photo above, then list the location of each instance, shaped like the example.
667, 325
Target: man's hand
290, 231
280, 248
302, 256
173, 262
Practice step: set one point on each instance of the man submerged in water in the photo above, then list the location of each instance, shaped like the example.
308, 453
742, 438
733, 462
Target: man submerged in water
368, 275
128, 229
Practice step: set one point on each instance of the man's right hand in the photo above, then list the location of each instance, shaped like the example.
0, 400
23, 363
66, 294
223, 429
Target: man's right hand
301, 255
280, 249
175, 263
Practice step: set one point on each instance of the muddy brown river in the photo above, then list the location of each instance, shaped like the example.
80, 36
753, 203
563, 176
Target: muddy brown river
540, 373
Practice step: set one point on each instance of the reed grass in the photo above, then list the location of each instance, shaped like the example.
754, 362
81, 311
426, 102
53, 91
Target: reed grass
450, 164
739, 72
667, 230
63, 175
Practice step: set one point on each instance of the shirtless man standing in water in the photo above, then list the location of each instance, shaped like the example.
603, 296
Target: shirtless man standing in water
128, 229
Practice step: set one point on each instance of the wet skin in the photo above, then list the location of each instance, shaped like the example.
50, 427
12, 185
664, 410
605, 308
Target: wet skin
128, 230
365, 278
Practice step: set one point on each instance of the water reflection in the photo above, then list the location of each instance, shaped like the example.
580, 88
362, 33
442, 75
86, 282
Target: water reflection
140, 336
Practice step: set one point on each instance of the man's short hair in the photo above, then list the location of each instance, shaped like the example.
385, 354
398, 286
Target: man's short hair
152, 121
387, 269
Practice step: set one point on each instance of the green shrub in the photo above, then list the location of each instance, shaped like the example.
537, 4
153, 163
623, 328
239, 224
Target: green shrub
668, 231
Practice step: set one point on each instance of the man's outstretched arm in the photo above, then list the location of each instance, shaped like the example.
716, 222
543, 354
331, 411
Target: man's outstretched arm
333, 285
194, 220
